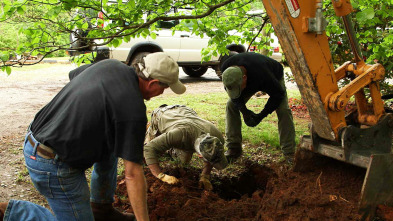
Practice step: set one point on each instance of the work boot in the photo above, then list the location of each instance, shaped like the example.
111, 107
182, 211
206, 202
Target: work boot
3, 207
106, 212
233, 153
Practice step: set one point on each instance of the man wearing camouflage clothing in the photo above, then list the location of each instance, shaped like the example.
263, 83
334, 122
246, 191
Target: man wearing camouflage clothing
179, 130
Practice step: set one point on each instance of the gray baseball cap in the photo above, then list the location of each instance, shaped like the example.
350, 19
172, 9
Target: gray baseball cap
162, 67
233, 79
212, 150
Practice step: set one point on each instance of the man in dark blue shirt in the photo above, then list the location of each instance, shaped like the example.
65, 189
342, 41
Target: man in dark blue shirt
245, 74
97, 117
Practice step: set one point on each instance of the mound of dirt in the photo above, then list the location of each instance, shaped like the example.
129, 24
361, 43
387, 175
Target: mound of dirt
187, 201
330, 190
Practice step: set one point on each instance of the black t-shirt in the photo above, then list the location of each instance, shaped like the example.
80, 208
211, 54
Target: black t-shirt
100, 111
263, 74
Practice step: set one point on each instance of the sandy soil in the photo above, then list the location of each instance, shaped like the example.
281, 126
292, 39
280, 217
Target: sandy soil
22, 94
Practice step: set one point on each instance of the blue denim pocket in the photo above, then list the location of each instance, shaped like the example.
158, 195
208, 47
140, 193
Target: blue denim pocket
41, 181
73, 183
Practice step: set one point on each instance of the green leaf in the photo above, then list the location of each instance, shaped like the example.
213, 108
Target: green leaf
115, 42
131, 3
153, 35
127, 38
4, 57
44, 38
85, 26
35, 41
20, 10
365, 15
8, 70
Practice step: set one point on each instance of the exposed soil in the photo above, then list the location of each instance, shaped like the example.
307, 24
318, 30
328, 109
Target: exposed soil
326, 190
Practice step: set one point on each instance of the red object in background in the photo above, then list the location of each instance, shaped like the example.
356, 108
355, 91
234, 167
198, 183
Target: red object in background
276, 49
101, 16
339, 43
253, 48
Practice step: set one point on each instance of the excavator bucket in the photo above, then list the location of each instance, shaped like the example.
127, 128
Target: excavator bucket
369, 148
378, 184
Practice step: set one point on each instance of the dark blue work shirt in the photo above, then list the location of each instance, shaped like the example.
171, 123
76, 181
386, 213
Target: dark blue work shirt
99, 112
263, 74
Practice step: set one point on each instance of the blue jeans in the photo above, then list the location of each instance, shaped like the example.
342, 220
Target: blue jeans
65, 188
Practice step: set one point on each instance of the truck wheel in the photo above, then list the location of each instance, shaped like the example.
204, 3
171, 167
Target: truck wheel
218, 72
195, 71
138, 58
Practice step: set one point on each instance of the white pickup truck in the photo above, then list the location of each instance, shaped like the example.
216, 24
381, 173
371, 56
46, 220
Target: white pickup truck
183, 47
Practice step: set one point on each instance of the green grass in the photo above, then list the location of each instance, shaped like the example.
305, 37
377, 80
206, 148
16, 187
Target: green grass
211, 106
22, 175
261, 143
29, 67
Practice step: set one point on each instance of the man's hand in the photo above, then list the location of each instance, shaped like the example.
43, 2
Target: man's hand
167, 179
204, 182
251, 119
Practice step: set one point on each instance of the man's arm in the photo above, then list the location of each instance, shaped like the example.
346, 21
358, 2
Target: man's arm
276, 94
136, 189
159, 145
155, 169
204, 180
207, 168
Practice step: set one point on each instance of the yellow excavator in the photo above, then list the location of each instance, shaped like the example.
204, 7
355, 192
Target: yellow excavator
362, 138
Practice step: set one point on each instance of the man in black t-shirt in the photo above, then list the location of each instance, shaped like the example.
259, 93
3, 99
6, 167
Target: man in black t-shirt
244, 74
97, 117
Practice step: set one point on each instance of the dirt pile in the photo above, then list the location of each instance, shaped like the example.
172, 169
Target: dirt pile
188, 202
330, 190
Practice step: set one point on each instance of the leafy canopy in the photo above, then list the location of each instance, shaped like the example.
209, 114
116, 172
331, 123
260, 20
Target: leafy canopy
44, 26
110, 23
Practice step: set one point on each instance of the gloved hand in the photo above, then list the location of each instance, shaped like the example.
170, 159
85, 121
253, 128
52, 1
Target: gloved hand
251, 119
167, 179
204, 182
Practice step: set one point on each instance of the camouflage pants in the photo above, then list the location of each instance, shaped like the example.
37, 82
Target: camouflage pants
286, 127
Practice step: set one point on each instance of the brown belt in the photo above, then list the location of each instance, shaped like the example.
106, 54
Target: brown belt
42, 150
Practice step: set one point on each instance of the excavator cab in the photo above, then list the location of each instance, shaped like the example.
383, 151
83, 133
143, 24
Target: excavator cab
362, 137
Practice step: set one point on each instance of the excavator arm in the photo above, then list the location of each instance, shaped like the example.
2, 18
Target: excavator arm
363, 137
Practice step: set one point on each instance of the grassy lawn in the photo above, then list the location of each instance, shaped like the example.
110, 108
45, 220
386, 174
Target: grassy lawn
211, 106
42, 65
